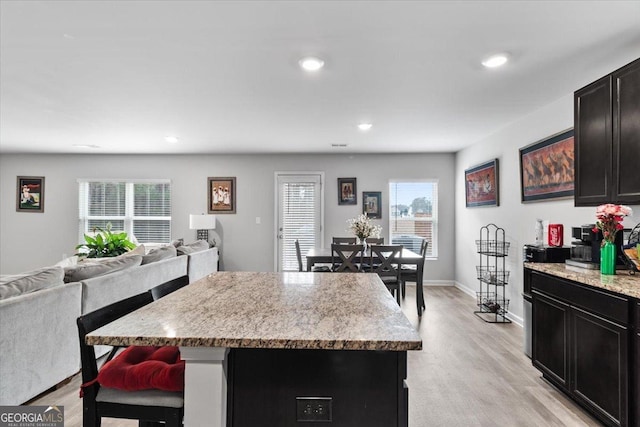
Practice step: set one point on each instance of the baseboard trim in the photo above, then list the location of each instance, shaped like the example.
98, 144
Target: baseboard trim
433, 283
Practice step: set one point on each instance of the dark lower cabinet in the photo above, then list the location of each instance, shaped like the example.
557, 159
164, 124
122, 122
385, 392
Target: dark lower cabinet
586, 344
341, 388
600, 373
550, 342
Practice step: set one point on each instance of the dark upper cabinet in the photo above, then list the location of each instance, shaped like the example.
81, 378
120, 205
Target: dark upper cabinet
607, 139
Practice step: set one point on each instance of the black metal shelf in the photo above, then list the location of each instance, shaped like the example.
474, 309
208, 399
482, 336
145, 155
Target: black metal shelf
492, 275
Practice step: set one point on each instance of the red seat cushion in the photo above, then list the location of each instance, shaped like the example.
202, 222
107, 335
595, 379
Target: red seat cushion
143, 368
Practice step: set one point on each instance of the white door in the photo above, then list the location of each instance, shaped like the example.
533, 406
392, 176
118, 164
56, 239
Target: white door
299, 204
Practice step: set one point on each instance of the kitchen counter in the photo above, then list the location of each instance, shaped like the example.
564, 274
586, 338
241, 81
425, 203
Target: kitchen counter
270, 310
291, 336
621, 283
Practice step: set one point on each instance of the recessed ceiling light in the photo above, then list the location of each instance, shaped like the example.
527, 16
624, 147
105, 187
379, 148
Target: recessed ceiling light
364, 126
311, 63
171, 139
86, 146
495, 60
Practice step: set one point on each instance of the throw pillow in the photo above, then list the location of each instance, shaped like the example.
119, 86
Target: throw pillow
159, 254
144, 368
177, 243
197, 246
87, 270
139, 250
18, 284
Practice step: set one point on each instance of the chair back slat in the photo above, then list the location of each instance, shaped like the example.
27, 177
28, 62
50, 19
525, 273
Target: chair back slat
169, 287
375, 240
346, 258
344, 240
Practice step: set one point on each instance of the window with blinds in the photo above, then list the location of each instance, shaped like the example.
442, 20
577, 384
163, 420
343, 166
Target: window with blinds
413, 214
299, 219
140, 208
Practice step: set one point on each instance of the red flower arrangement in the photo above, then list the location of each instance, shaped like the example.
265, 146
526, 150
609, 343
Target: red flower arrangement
610, 220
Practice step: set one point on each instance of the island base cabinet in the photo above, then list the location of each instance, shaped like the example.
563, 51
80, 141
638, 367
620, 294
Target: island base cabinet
268, 387
600, 366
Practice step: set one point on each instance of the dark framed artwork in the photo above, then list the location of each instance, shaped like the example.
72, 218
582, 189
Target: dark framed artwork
221, 195
30, 194
372, 204
547, 168
481, 185
347, 191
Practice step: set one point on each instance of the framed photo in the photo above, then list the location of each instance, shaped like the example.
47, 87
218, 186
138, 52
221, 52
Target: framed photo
222, 195
30, 194
481, 185
372, 204
347, 191
547, 168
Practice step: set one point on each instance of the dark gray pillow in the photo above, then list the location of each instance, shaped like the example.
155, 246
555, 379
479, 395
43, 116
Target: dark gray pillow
158, 254
87, 270
11, 286
197, 246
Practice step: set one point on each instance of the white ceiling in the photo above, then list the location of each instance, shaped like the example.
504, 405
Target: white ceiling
223, 76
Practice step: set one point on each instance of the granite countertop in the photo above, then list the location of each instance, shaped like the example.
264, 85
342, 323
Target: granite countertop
621, 283
340, 311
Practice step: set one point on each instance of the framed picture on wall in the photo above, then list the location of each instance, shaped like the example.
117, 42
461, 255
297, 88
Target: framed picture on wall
547, 168
481, 185
372, 204
221, 197
30, 194
347, 191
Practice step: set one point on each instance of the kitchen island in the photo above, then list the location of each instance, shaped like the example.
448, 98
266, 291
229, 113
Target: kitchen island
586, 337
281, 348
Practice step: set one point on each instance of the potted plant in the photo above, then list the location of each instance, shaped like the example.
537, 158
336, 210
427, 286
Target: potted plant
105, 243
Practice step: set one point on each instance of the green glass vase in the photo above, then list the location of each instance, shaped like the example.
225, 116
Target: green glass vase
608, 258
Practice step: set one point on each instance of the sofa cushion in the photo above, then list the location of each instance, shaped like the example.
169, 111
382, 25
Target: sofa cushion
158, 254
18, 284
139, 250
86, 270
144, 368
197, 246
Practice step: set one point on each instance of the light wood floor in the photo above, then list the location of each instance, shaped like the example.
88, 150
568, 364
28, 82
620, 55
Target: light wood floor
469, 373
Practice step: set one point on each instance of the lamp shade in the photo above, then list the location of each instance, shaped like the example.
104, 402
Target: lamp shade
202, 222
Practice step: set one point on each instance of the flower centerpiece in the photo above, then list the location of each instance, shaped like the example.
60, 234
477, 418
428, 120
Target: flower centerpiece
609, 222
363, 228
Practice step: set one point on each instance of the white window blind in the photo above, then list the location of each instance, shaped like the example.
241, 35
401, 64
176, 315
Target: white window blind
140, 208
413, 214
300, 219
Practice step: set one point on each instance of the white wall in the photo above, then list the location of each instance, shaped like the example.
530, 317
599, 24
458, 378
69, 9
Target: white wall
516, 218
31, 240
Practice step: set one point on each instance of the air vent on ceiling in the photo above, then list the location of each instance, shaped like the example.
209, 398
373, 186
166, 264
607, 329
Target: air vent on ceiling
338, 145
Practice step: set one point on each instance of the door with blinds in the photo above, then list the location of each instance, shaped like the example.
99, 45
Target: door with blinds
299, 201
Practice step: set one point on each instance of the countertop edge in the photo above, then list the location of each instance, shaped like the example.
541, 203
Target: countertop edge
622, 284
253, 343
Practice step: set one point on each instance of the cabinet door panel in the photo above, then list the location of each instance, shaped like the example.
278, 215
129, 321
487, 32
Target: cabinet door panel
593, 143
600, 365
626, 134
550, 352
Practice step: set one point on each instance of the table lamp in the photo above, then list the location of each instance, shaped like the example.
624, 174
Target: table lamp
203, 223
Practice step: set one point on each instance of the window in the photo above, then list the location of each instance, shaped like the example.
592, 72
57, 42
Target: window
140, 208
413, 214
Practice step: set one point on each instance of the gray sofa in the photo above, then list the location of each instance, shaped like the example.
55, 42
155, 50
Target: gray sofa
38, 333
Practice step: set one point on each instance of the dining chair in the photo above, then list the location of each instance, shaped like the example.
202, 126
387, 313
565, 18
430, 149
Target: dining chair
315, 269
169, 287
375, 240
385, 261
147, 406
346, 258
344, 240
409, 273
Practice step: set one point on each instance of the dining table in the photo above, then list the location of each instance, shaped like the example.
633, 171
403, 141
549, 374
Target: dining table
266, 348
407, 257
